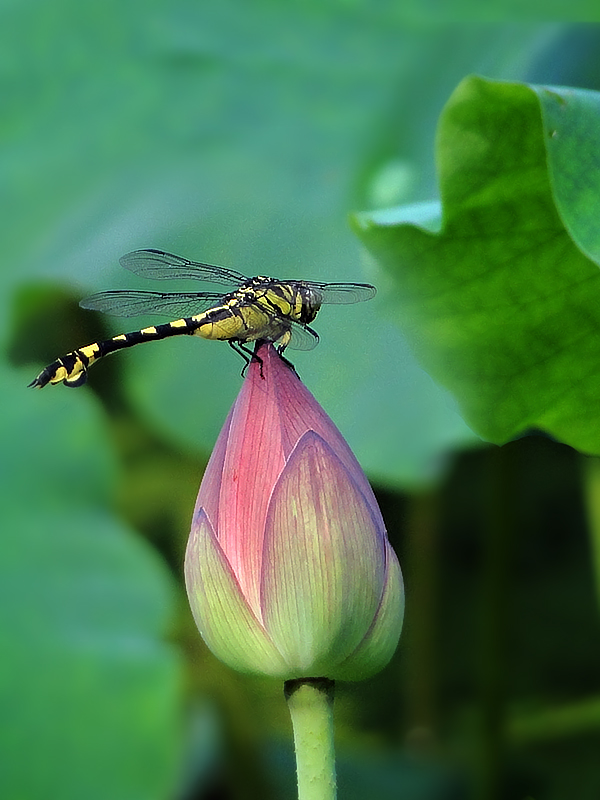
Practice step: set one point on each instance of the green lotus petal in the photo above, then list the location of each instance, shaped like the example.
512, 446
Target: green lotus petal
378, 646
324, 565
222, 615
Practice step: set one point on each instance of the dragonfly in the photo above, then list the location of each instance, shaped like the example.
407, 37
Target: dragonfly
250, 310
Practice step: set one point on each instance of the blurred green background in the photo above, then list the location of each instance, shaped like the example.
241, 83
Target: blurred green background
244, 135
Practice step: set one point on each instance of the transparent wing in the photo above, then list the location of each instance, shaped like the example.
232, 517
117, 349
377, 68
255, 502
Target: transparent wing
164, 266
342, 293
303, 337
133, 303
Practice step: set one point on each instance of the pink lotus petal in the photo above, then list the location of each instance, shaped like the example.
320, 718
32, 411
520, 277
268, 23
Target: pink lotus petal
245, 465
324, 564
224, 618
379, 644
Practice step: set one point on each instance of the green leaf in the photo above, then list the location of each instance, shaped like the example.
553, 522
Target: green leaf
501, 302
572, 135
89, 690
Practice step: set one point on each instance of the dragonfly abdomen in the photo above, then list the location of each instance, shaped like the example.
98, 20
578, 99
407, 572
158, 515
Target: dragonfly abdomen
72, 368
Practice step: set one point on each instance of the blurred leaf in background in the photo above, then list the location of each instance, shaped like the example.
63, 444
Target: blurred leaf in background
243, 135
89, 690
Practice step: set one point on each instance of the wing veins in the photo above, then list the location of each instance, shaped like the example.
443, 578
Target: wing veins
133, 303
157, 265
339, 293
303, 337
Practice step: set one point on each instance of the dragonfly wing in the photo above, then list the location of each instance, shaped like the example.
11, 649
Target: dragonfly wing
134, 303
340, 293
157, 265
303, 337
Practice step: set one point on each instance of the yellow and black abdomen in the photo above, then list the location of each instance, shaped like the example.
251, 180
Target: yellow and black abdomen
72, 368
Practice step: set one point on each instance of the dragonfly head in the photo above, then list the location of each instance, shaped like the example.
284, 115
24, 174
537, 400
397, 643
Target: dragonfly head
311, 303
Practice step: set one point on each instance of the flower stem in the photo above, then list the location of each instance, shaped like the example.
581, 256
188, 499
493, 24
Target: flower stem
310, 701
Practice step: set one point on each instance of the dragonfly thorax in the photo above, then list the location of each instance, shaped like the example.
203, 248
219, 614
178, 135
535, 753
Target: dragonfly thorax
291, 300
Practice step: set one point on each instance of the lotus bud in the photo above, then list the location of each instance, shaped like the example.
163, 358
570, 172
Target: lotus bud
288, 568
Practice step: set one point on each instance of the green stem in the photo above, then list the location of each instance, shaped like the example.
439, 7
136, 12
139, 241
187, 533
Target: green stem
310, 701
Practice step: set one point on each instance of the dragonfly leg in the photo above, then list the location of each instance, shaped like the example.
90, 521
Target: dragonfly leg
246, 354
286, 360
